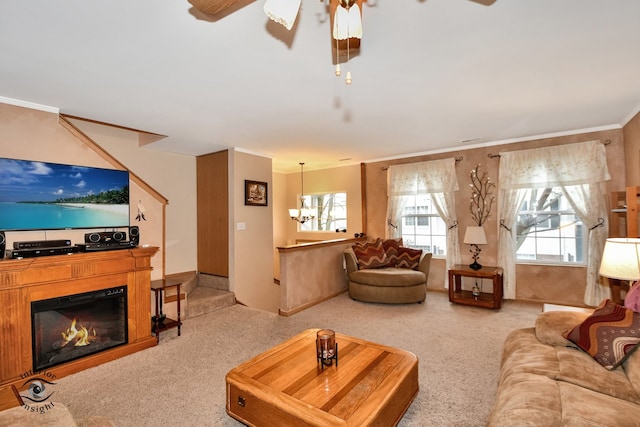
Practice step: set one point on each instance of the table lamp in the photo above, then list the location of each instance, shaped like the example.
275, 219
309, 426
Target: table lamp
474, 236
621, 261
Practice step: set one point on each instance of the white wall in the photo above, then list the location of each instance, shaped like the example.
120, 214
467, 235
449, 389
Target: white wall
37, 135
346, 178
172, 175
251, 270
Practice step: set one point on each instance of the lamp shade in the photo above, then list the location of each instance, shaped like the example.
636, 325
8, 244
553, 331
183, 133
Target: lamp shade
621, 259
475, 236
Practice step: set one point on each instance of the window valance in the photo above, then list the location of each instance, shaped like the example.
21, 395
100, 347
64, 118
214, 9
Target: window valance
435, 176
569, 164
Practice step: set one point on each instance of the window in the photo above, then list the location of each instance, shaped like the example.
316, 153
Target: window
548, 229
421, 225
330, 210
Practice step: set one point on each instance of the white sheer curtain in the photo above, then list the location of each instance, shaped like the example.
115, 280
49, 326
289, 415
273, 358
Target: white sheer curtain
579, 169
437, 177
509, 201
588, 202
445, 205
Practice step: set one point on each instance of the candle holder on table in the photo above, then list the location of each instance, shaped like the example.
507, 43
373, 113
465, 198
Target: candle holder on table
326, 347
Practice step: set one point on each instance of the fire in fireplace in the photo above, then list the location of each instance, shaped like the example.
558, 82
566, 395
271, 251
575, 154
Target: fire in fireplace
70, 327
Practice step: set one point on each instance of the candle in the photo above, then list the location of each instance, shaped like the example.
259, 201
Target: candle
325, 344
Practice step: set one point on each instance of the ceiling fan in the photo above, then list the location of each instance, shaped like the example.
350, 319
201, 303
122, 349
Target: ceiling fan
345, 19
212, 7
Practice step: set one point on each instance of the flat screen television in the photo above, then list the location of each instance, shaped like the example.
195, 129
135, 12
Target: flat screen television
49, 196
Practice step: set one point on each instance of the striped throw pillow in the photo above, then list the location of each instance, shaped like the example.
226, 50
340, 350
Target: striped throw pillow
609, 335
391, 247
408, 258
370, 255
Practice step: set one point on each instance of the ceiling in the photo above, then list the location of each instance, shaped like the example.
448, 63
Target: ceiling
431, 75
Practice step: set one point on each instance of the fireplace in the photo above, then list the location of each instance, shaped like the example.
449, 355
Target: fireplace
71, 327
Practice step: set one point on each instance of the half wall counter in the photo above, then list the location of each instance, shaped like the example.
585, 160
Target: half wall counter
311, 273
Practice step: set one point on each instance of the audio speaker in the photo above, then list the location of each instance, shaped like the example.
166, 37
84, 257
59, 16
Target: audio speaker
134, 235
119, 236
3, 244
92, 237
105, 236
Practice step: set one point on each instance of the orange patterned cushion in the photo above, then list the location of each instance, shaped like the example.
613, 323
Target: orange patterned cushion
370, 255
391, 247
408, 258
609, 335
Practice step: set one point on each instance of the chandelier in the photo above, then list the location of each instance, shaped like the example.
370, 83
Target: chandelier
303, 214
346, 23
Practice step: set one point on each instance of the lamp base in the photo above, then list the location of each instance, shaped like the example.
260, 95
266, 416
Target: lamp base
475, 266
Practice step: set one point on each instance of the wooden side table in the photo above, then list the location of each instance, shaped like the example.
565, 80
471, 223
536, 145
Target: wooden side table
159, 321
483, 299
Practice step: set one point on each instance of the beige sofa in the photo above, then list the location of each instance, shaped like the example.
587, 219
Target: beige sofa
389, 285
545, 380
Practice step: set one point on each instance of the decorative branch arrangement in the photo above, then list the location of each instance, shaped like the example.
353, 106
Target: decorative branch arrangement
481, 196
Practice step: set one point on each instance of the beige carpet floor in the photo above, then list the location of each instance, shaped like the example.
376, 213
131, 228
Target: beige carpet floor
181, 382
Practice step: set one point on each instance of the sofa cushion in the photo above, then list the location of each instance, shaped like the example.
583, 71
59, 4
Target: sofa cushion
631, 367
584, 407
524, 354
609, 335
388, 294
370, 255
408, 258
388, 277
579, 368
527, 400
551, 325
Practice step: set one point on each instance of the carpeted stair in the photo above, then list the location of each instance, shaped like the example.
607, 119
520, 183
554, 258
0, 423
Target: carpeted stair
203, 300
199, 294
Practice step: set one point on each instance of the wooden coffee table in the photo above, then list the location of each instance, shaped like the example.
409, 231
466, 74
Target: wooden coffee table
372, 385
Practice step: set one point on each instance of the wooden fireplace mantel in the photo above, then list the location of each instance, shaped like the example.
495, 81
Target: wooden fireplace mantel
33, 279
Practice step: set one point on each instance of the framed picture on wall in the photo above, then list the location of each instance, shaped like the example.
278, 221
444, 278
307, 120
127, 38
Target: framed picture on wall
255, 193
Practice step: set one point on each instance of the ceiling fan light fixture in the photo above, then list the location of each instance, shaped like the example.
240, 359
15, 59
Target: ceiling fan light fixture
348, 80
303, 214
347, 21
284, 12
338, 70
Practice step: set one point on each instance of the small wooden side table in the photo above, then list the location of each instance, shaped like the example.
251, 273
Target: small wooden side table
159, 321
483, 299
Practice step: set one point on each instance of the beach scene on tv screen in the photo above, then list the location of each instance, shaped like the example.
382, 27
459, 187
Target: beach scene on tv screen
46, 196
